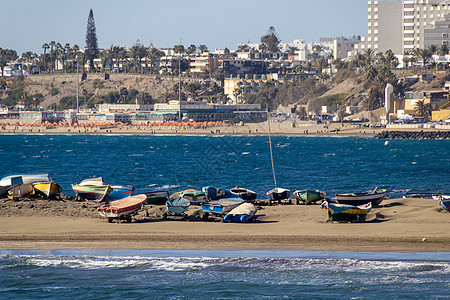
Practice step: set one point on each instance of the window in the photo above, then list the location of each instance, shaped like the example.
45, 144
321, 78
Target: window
445, 35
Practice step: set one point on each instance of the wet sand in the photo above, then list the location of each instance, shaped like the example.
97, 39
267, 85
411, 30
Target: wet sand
398, 225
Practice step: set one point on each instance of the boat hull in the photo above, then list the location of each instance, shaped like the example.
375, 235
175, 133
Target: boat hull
20, 190
445, 202
47, 190
177, 205
125, 206
120, 192
244, 194
309, 196
221, 206
245, 212
157, 197
26, 178
92, 193
361, 198
278, 194
347, 213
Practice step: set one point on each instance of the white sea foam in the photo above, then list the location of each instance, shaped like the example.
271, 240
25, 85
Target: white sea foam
245, 153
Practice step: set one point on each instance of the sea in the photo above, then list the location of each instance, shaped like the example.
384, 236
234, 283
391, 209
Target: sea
178, 162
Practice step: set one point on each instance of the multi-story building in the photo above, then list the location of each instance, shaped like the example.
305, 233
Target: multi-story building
403, 26
204, 63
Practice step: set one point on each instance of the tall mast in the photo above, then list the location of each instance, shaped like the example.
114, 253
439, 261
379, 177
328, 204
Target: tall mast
179, 85
270, 147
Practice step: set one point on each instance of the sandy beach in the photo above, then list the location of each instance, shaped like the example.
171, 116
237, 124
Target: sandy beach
397, 225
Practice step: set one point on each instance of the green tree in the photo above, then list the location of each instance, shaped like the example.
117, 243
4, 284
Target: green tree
270, 42
443, 50
138, 52
202, 48
423, 55
91, 41
6, 56
422, 109
123, 93
45, 46
191, 49
153, 56
179, 49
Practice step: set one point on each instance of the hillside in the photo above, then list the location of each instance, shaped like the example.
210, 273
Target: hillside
56, 86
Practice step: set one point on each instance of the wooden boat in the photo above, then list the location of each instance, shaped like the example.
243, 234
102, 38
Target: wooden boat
98, 181
157, 197
375, 197
221, 206
309, 196
195, 197
178, 205
48, 189
444, 201
122, 209
26, 178
215, 193
278, 194
20, 190
345, 212
93, 189
245, 194
245, 212
120, 192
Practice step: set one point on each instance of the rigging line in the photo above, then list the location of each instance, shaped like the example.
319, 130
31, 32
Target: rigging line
270, 147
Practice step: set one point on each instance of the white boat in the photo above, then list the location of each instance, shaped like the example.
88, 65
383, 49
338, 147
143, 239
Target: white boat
26, 178
243, 213
93, 182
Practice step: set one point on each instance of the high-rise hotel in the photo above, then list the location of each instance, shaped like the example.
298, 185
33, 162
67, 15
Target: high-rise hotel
406, 25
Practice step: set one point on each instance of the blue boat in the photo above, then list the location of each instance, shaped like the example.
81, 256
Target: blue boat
215, 193
120, 192
445, 202
177, 205
220, 207
243, 213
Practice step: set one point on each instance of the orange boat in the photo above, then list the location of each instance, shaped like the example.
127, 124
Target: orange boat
122, 209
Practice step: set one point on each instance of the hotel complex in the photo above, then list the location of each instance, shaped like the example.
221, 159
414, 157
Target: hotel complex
406, 25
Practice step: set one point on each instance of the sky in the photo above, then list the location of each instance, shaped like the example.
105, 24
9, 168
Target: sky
27, 24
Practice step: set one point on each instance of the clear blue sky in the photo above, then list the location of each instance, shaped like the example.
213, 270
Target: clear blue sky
27, 24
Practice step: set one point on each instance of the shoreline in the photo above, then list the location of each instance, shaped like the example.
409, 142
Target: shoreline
398, 225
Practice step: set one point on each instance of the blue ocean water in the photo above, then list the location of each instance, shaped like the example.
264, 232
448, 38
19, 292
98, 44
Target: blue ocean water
215, 274
157, 162
331, 164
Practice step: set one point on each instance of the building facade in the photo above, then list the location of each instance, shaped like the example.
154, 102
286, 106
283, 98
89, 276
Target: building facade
403, 26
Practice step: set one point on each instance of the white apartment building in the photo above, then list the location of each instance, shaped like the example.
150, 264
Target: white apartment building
406, 25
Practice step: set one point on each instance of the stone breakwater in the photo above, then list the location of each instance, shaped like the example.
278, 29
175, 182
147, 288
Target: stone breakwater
413, 135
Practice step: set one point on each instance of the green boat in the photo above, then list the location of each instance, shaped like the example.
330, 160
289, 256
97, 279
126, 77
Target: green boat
309, 196
346, 213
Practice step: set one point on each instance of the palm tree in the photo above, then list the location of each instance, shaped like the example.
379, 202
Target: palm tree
45, 46
6, 55
423, 54
369, 56
202, 48
52, 45
433, 49
191, 49
423, 109
320, 65
291, 50
153, 56
243, 48
443, 50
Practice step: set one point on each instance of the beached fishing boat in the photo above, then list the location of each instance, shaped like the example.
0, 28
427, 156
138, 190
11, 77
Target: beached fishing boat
278, 194
92, 189
26, 178
177, 205
375, 197
444, 201
245, 212
309, 196
220, 207
245, 194
120, 192
214, 193
3, 190
157, 197
48, 189
345, 212
122, 209
195, 197
20, 190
